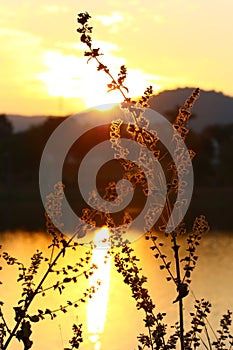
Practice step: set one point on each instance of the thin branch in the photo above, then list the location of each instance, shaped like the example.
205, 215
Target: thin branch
4, 321
61, 283
208, 338
176, 254
37, 290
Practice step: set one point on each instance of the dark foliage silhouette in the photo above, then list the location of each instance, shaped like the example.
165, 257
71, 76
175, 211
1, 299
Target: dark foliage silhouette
179, 269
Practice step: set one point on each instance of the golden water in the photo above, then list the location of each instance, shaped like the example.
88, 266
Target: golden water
119, 323
97, 305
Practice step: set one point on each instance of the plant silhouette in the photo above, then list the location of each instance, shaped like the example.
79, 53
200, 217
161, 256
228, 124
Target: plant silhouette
179, 269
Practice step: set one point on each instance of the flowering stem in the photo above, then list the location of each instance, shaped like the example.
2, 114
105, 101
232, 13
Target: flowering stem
37, 290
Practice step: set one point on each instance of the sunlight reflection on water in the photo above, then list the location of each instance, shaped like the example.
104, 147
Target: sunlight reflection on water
212, 280
97, 305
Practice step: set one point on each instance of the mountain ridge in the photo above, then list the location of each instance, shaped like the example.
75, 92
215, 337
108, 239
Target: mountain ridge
211, 108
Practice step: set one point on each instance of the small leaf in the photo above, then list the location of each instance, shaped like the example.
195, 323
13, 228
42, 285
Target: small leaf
34, 318
66, 280
47, 311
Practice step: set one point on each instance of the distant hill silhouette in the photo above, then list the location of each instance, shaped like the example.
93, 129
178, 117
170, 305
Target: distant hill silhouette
211, 108
22, 123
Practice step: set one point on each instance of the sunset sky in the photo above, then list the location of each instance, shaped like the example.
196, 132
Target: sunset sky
166, 43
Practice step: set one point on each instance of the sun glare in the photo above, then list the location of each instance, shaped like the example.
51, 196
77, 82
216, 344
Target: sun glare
97, 306
60, 75
68, 76
104, 107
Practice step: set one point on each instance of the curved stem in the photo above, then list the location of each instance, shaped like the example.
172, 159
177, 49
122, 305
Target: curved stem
181, 316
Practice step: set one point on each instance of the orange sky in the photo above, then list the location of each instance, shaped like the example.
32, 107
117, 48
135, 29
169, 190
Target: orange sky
166, 43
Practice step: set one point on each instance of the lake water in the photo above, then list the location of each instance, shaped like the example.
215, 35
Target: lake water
212, 279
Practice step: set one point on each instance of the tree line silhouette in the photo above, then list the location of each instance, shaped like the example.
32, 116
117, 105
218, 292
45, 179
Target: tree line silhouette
20, 152
20, 155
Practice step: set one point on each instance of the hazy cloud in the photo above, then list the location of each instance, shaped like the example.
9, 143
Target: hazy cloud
109, 20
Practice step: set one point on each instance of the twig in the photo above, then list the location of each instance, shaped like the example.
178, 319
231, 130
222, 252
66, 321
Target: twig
176, 254
37, 290
4, 321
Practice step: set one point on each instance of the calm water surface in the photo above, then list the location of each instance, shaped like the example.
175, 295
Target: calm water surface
212, 279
